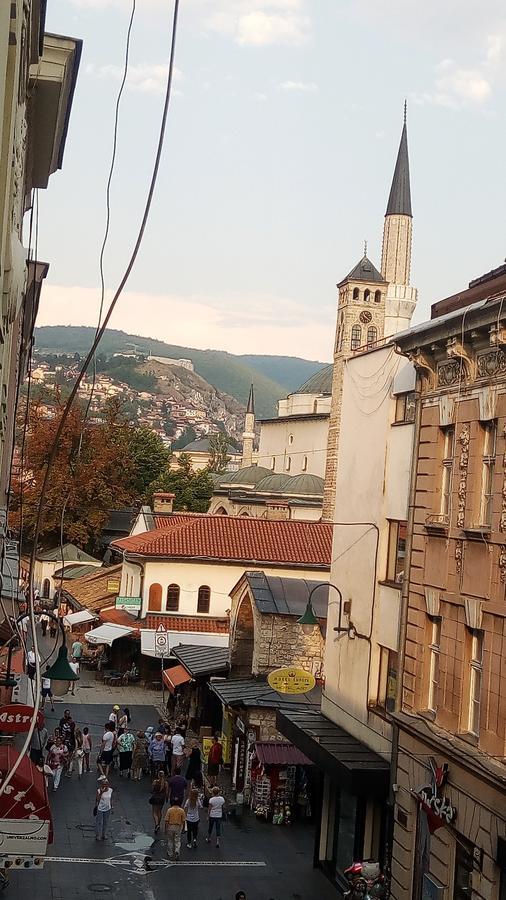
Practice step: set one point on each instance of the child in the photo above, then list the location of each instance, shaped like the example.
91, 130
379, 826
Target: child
192, 809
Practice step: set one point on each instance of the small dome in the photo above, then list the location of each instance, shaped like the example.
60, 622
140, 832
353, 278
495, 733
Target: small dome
306, 484
319, 383
273, 484
247, 475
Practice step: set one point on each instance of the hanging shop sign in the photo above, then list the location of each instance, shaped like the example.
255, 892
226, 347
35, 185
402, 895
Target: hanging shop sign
129, 603
291, 681
16, 718
113, 585
436, 806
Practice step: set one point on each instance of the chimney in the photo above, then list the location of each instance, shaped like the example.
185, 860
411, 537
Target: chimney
162, 502
277, 510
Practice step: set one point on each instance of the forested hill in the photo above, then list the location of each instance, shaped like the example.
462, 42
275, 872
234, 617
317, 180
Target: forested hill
273, 376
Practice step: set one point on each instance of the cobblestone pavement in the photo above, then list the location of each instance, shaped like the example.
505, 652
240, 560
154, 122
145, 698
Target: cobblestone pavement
263, 860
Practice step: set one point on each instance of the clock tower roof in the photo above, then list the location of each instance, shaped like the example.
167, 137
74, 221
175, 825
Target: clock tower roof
365, 271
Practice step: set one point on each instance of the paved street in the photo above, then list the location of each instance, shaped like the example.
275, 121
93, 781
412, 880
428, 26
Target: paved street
264, 860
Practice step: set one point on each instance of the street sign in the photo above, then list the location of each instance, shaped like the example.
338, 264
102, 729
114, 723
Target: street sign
131, 603
161, 641
291, 681
24, 836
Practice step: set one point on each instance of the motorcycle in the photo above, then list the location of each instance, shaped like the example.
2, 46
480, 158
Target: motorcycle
366, 881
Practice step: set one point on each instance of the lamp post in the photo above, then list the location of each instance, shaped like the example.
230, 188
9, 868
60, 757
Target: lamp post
309, 621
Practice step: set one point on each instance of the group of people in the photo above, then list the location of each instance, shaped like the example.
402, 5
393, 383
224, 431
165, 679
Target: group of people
67, 746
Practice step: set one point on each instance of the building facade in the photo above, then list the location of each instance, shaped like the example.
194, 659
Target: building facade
450, 779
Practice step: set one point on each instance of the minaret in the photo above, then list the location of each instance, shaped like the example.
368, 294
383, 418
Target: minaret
249, 431
397, 239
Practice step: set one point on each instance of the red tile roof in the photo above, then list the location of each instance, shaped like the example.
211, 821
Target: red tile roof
119, 617
175, 676
209, 625
235, 538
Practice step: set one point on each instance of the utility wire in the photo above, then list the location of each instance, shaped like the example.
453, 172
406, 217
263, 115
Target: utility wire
73, 393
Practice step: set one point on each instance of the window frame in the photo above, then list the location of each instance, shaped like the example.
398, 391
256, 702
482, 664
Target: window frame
434, 685
372, 329
388, 663
393, 556
447, 464
356, 336
489, 450
402, 404
175, 605
204, 587
475, 682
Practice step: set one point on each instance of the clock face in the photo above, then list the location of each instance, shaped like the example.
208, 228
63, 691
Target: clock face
365, 317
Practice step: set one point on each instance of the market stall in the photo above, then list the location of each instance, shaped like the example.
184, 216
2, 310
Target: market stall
281, 780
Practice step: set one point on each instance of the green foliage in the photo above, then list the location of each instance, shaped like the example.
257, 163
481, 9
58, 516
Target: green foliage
125, 370
149, 457
218, 448
192, 489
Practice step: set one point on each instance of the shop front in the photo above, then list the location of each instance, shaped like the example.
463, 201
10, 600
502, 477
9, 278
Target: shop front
281, 783
349, 797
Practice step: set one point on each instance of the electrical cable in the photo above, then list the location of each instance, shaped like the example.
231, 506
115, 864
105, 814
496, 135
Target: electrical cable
73, 393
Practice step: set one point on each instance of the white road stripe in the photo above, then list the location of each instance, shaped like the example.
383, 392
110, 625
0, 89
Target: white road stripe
157, 862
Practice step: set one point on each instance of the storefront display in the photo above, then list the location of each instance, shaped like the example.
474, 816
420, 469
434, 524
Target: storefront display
281, 790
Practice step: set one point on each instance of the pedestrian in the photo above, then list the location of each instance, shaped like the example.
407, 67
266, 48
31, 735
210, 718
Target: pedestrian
240, 895
168, 752
38, 744
103, 808
107, 749
124, 720
113, 716
156, 753
76, 668
87, 747
139, 756
76, 650
47, 691
177, 741
53, 625
194, 770
67, 729
158, 798
174, 824
214, 760
126, 742
163, 728
177, 788
215, 814
192, 809
44, 621
78, 754
31, 663
56, 760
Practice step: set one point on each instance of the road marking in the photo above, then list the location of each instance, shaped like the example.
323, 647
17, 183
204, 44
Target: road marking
158, 863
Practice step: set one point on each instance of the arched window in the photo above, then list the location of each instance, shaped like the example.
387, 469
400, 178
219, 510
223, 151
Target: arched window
155, 598
221, 511
304, 463
377, 296
46, 587
372, 334
288, 463
356, 337
290, 438
273, 463
356, 294
367, 295
204, 599
173, 591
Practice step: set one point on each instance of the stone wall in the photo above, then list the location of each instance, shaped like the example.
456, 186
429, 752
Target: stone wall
279, 641
265, 721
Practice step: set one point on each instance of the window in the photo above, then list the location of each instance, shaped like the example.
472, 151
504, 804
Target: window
377, 296
396, 552
356, 337
435, 651
46, 587
372, 335
463, 880
476, 663
367, 295
447, 472
387, 680
273, 463
304, 463
288, 463
290, 438
173, 592
204, 599
155, 598
405, 407
356, 294
487, 473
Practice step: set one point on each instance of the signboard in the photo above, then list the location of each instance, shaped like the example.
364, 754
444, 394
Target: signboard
23, 836
129, 603
291, 681
161, 641
16, 718
113, 585
436, 806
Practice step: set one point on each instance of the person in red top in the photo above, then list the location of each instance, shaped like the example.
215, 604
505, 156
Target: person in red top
214, 760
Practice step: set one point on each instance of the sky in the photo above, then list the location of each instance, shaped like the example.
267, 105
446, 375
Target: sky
279, 153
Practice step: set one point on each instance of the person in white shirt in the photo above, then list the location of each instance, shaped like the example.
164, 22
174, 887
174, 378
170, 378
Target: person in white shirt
215, 813
177, 742
30, 663
74, 665
107, 748
103, 805
47, 692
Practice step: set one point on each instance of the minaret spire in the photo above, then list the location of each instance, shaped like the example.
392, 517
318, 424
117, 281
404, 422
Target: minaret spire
248, 436
399, 200
396, 255
251, 401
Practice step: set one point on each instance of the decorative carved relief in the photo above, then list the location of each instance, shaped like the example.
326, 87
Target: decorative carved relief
464, 438
425, 365
449, 373
491, 364
502, 563
458, 556
456, 350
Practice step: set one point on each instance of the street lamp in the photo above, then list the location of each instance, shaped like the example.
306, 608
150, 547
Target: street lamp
60, 673
309, 621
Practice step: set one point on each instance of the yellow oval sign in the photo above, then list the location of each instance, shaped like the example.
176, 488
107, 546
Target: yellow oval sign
291, 681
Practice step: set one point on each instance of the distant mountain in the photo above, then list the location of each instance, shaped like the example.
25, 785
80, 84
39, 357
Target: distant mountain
273, 376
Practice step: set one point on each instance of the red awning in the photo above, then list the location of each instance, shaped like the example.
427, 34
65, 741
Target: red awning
279, 753
174, 677
26, 796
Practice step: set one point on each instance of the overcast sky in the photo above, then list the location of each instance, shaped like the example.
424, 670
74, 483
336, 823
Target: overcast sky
278, 159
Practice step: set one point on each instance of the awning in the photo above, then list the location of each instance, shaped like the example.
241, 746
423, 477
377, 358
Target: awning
201, 661
172, 678
280, 753
335, 751
77, 618
106, 634
199, 638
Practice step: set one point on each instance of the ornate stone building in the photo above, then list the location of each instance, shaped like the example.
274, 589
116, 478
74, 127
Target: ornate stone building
372, 305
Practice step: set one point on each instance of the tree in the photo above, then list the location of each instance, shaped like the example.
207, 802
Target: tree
218, 448
148, 455
188, 435
192, 489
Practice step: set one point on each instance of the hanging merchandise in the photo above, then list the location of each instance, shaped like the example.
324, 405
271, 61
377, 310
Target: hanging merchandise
262, 797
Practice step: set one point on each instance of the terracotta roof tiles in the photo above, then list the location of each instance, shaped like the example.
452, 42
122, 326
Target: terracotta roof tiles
208, 625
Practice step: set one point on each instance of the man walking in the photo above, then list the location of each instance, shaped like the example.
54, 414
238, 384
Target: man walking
174, 823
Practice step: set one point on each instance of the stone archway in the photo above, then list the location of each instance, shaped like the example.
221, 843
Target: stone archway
243, 640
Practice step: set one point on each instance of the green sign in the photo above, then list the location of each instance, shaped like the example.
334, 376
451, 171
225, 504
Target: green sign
128, 602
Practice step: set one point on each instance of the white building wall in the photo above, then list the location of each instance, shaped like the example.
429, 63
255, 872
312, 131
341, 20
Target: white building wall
301, 440
372, 486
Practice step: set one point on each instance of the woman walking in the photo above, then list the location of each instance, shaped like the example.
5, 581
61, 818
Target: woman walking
177, 741
124, 720
103, 808
87, 747
139, 756
192, 809
126, 743
107, 749
56, 760
156, 753
215, 813
194, 770
159, 794
78, 754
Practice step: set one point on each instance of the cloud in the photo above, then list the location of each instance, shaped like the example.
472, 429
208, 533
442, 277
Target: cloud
301, 87
260, 23
232, 322
457, 86
149, 78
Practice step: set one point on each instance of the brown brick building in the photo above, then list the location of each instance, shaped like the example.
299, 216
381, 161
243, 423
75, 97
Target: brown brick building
450, 812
